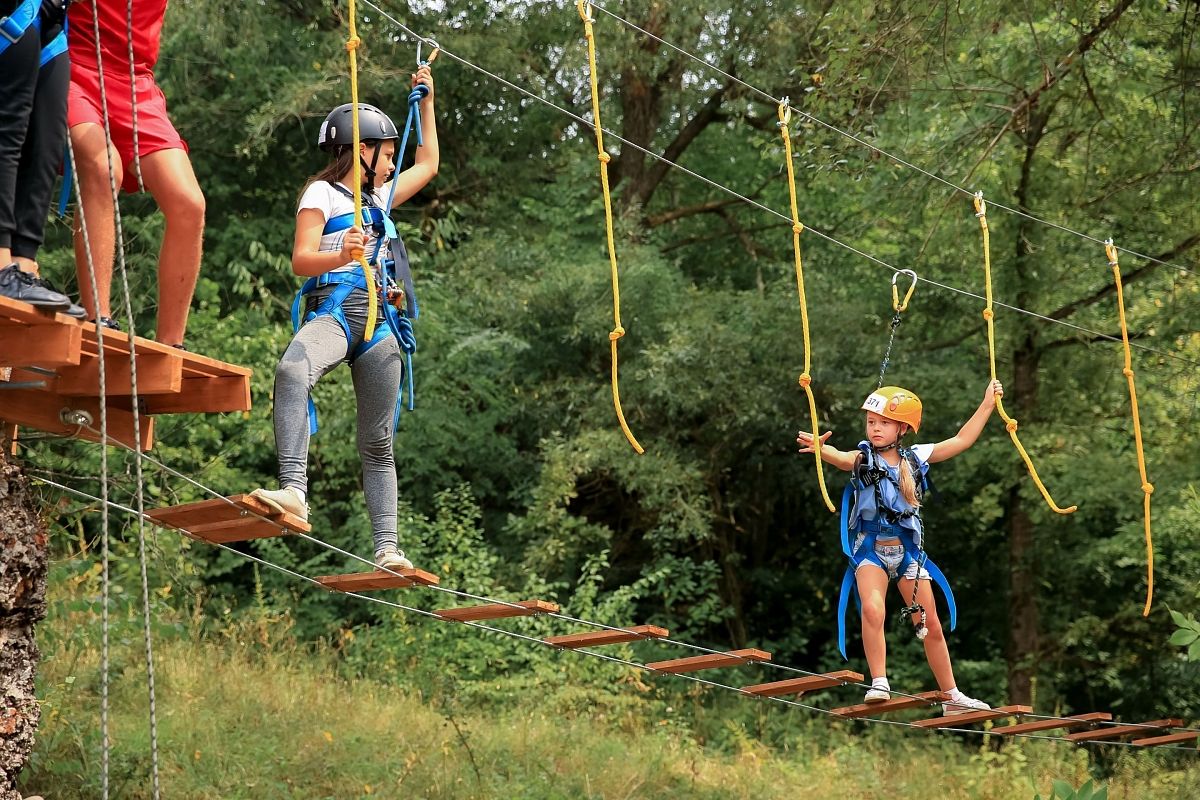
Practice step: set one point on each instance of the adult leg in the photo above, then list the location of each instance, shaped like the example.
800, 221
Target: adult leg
936, 651
18, 81
42, 155
169, 178
92, 160
872, 586
377, 375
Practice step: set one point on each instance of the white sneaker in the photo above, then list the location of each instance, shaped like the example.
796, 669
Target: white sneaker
879, 692
287, 500
393, 559
959, 703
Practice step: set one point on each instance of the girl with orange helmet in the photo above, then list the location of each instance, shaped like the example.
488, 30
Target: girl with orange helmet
883, 536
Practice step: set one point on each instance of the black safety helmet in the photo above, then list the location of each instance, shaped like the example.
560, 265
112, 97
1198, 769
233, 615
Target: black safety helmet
338, 127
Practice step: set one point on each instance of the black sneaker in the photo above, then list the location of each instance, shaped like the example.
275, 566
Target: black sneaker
74, 310
28, 288
108, 322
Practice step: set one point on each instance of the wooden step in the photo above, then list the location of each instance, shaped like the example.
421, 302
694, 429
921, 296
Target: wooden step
971, 717
219, 522
1116, 731
40, 409
709, 661
1170, 738
810, 683
524, 608
1075, 721
596, 638
922, 700
378, 579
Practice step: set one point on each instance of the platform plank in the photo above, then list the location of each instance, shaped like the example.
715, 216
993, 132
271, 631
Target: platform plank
810, 683
244, 529
157, 373
523, 608
1116, 731
922, 700
971, 717
378, 579
44, 346
732, 658
38, 408
206, 395
216, 510
596, 638
1170, 738
1075, 721
18, 311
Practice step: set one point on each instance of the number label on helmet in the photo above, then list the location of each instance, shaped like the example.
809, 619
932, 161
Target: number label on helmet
875, 402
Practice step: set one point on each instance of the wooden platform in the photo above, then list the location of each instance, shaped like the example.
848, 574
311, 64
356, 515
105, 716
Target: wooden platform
922, 700
233, 519
378, 579
809, 683
1075, 721
1145, 729
524, 608
620, 636
56, 365
1170, 738
733, 658
971, 717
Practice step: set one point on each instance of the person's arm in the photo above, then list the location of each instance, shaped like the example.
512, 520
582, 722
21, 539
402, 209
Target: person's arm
841, 459
969, 432
425, 166
307, 258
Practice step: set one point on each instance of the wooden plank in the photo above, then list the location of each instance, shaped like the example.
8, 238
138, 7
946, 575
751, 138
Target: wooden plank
44, 346
239, 530
524, 608
38, 408
24, 312
732, 658
157, 373
810, 683
1170, 738
1115, 731
194, 364
218, 510
922, 700
204, 396
378, 579
1076, 721
573, 640
970, 717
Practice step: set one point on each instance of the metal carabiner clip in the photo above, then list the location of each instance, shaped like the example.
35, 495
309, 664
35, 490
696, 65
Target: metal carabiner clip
898, 306
432, 53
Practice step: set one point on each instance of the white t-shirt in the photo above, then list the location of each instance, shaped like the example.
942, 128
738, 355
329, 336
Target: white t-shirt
322, 196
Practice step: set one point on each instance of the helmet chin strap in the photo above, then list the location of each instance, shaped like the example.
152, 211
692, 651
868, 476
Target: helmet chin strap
369, 169
891, 446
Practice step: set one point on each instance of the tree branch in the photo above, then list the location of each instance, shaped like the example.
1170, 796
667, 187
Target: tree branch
696, 125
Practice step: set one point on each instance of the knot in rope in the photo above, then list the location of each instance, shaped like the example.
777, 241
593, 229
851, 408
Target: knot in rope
1148, 488
798, 227
353, 43
604, 157
1011, 426
616, 333
1127, 372
980, 205
988, 314
805, 379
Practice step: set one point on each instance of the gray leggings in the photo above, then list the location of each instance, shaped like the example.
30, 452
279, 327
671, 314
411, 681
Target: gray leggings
317, 348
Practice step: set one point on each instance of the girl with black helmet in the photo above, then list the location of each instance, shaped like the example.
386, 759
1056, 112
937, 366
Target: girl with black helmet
328, 245
881, 511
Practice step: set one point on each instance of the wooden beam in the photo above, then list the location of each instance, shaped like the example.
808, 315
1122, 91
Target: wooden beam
970, 717
206, 395
709, 661
241, 530
524, 608
157, 373
217, 510
922, 700
24, 312
1170, 738
370, 581
573, 640
1076, 721
37, 408
42, 346
810, 683
1115, 731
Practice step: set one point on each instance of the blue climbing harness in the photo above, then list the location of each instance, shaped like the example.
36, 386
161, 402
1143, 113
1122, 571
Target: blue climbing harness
887, 524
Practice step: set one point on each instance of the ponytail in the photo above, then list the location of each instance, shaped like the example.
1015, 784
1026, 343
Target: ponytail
908, 484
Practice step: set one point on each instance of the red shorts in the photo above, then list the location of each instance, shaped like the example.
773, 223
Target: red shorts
154, 129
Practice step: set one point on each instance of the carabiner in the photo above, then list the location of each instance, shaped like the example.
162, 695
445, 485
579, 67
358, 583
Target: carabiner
432, 53
898, 306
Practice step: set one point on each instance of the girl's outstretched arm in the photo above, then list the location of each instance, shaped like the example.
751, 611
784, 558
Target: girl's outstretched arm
425, 166
829, 454
969, 432
307, 258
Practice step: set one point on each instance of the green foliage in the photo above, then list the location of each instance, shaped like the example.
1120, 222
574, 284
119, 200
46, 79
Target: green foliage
1188, 634
1064, 791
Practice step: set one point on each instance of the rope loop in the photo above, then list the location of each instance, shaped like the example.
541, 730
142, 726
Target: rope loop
1110, 251
980, 205
785, 112
585, 11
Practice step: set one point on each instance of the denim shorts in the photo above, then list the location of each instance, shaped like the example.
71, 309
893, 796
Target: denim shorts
892, 556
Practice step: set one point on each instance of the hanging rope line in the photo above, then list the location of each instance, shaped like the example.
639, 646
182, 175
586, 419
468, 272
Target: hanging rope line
133, 103
639, 665
898, 308
756, 204
989, 314
785, 117
618, 331
352, 45
901, 161
1147, 488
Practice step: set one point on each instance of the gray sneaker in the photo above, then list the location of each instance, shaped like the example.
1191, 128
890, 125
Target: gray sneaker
393, 559
17, 284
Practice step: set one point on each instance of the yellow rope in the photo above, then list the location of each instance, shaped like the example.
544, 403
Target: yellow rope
1147, 487
1010, 424
785, 116
352, 45
617, 331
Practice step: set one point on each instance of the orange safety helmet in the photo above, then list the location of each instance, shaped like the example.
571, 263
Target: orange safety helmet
896, 404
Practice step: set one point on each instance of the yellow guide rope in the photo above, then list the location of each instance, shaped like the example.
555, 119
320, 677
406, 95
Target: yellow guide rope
1147, 487
988, 314
617, 331
352, 45
785, 116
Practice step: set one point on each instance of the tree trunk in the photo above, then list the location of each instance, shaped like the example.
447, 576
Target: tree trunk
22, 606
